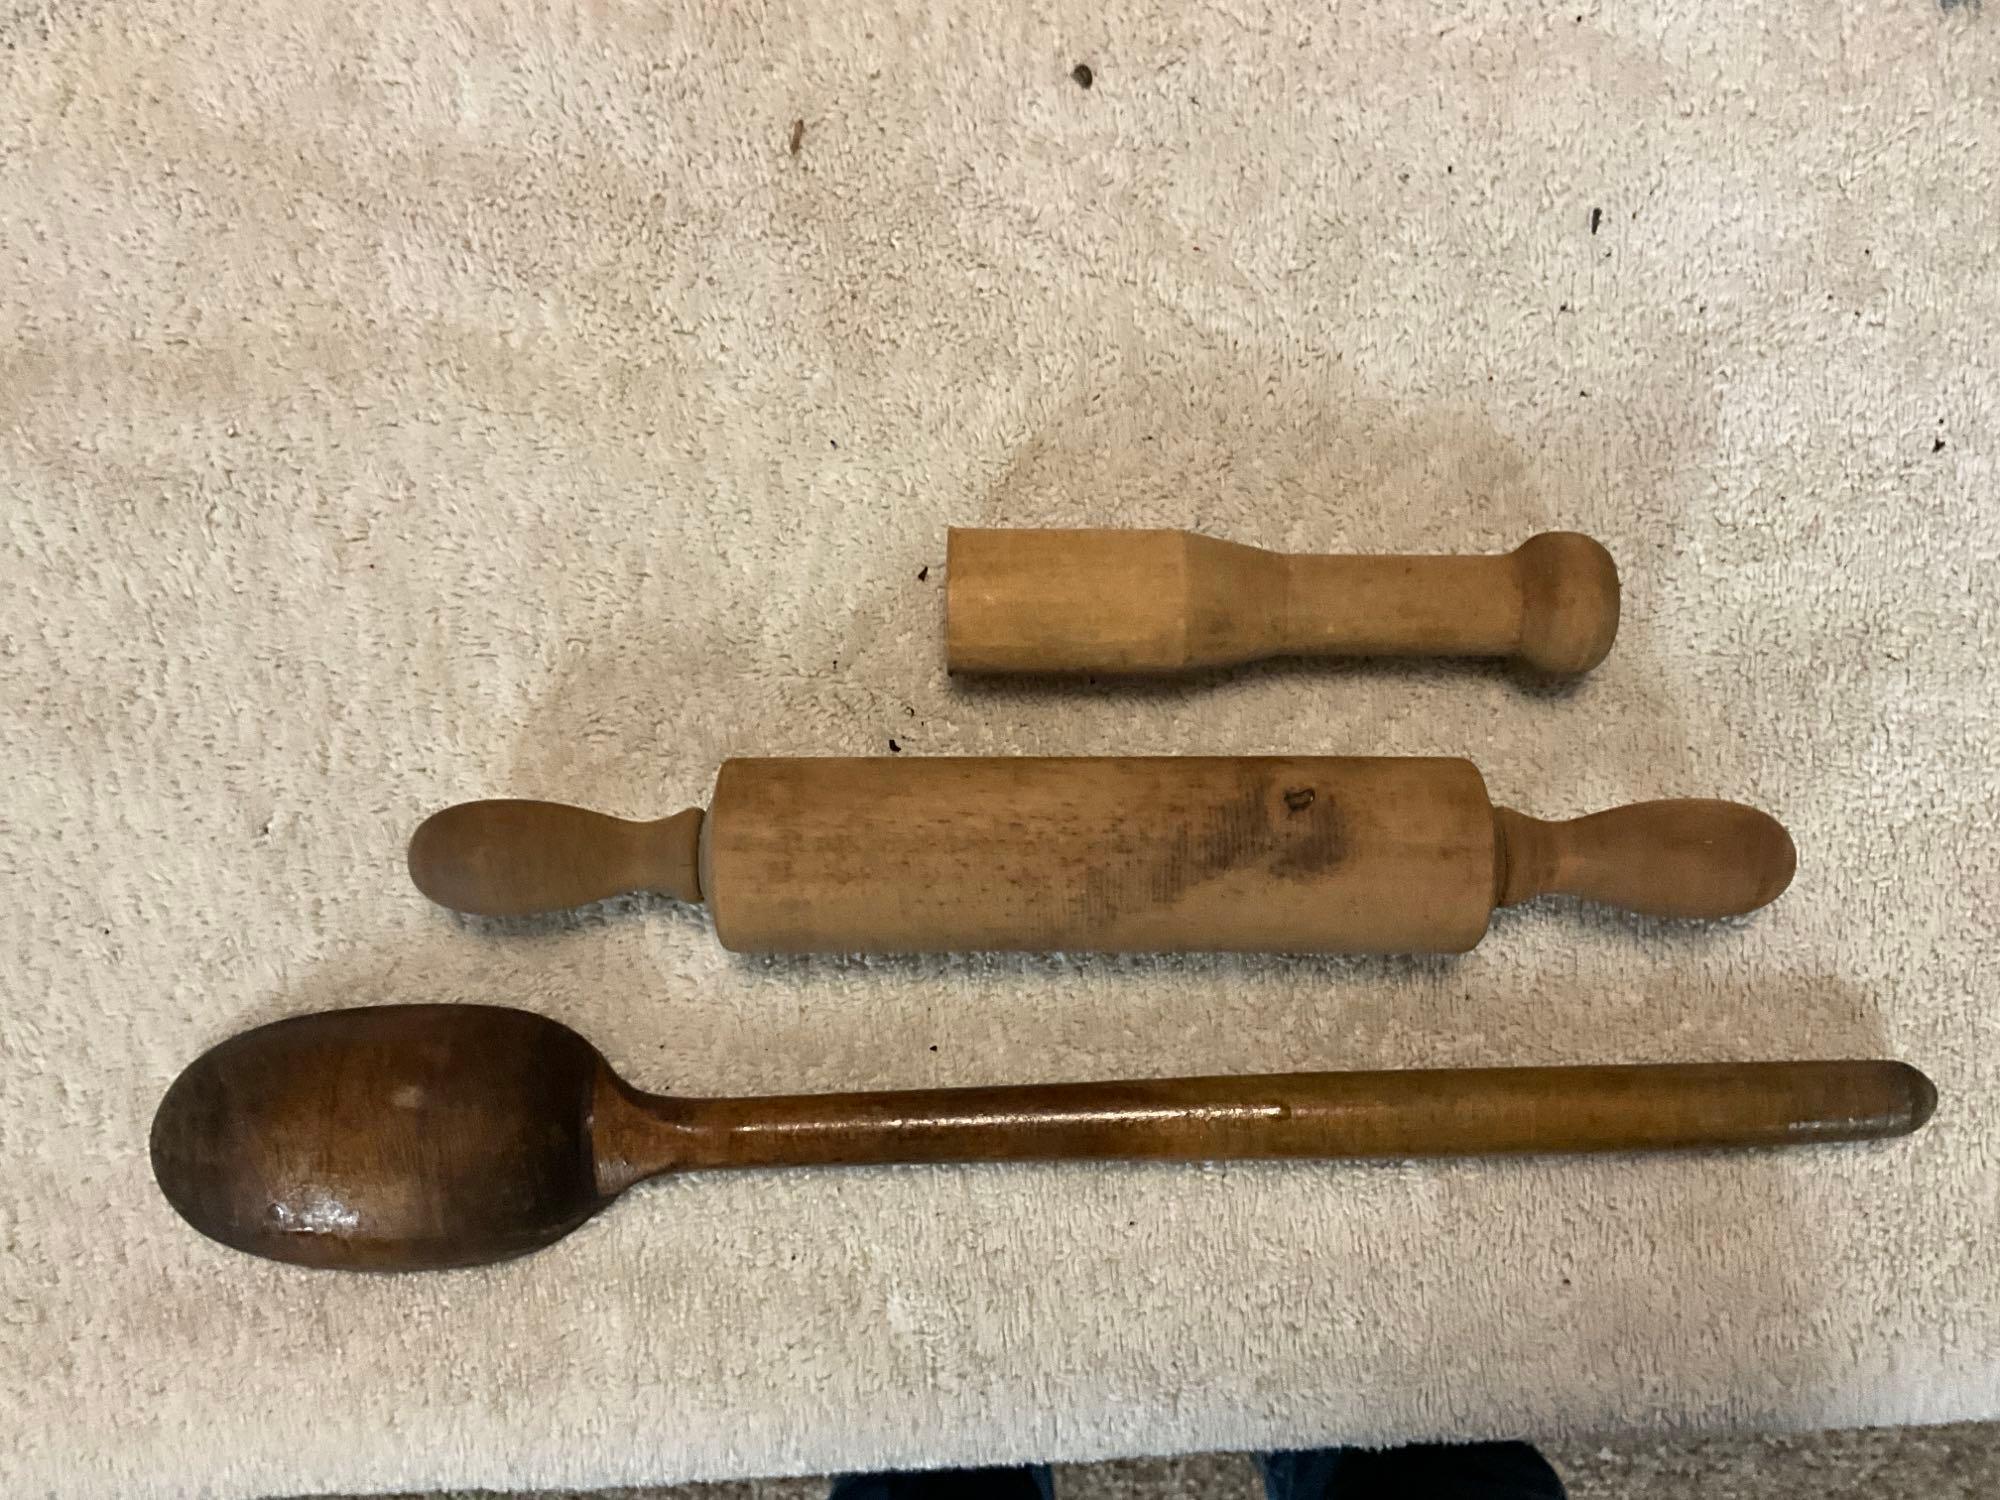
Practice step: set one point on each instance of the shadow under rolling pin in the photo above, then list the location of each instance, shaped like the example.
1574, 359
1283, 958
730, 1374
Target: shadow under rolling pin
1175, 601
414, 1137
1308, 854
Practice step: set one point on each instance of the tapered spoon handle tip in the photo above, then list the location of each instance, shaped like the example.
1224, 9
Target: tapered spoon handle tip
1920, 1096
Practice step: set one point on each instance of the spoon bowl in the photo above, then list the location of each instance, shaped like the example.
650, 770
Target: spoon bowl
397, 1137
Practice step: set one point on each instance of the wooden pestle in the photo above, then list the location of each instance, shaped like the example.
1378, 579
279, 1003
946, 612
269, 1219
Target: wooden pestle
410, 1137
1176, 601
1276, 854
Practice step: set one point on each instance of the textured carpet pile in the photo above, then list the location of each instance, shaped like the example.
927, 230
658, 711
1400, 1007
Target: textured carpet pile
408, 402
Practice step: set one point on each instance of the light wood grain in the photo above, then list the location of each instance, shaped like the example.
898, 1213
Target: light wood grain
1274, 854
1174, 601
1693, 857
513, 857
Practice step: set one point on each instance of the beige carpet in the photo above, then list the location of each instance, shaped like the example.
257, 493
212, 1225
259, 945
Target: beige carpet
406, 402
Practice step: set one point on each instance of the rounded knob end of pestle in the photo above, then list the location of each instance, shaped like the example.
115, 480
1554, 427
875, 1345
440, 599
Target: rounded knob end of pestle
1569, 602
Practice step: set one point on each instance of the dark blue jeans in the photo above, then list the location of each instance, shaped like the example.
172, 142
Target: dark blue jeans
1423, 1471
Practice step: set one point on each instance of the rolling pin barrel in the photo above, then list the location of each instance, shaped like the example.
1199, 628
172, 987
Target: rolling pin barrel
1174, 601
1302, 854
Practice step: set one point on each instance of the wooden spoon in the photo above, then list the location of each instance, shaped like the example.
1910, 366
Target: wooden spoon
408, 1137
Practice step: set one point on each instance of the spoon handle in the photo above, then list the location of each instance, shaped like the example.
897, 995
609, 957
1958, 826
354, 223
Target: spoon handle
1414, 1113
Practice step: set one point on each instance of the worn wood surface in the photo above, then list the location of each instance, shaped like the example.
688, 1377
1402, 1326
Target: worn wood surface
1172, 601
1128, 855
421, 1136
1118, 854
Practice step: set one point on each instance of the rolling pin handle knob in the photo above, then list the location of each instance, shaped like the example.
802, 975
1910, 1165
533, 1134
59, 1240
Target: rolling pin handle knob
1685, 858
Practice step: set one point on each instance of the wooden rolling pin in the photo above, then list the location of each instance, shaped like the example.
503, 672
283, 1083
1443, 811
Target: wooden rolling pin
409, 1137
1174, 601
909, 854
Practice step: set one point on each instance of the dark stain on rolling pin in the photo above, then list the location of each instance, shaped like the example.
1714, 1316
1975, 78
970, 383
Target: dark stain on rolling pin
1230, 835
1245, 833
1314, 848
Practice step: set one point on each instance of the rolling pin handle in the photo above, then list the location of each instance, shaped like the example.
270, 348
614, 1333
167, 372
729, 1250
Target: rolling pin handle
1686, 858
511, 857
